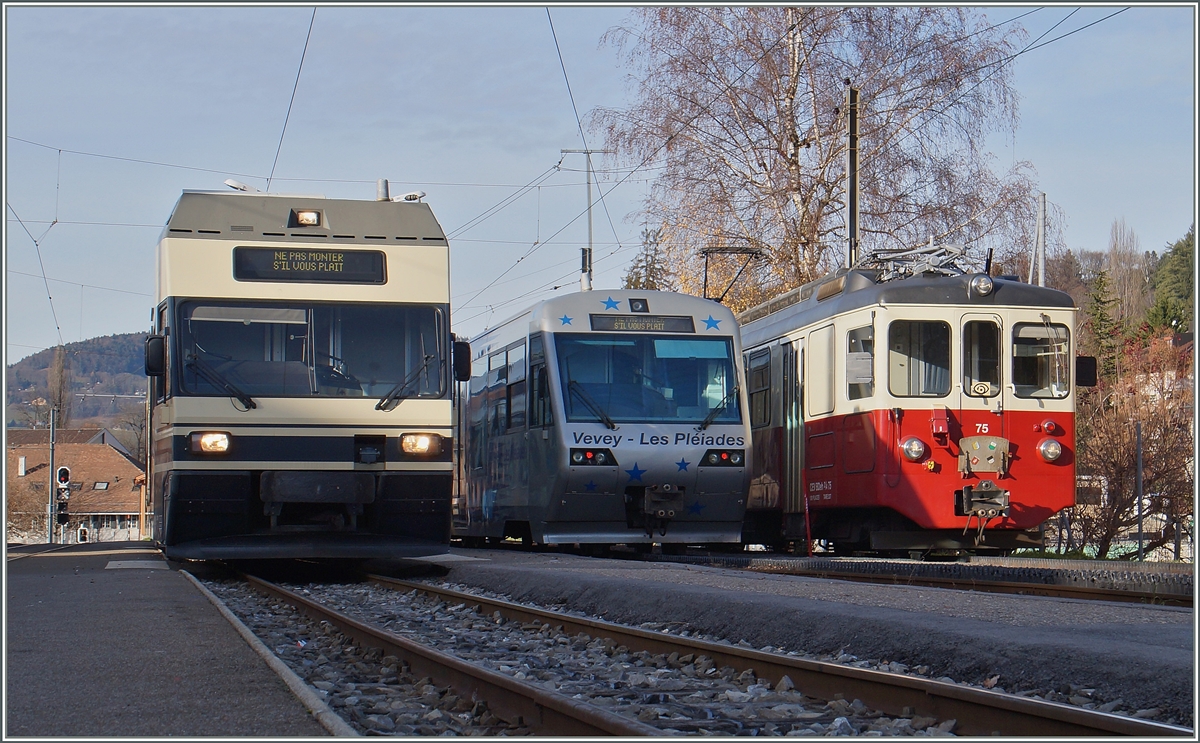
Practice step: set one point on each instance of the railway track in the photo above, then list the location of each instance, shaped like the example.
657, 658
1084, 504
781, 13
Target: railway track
969, 711
979, 712
542, 711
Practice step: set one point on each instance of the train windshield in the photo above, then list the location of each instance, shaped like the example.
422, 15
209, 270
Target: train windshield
297, 349
647, 378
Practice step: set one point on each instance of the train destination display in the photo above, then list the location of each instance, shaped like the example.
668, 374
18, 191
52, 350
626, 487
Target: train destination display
317, 265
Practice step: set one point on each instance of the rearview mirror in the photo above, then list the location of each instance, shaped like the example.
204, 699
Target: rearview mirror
462, 361
1085, 371
156, 355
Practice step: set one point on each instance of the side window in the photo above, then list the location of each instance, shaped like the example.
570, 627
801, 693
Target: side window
819, 373
516, 386
981, 358
539, 385
860, 363
1041, 360
919, 358
162, 385
759, 367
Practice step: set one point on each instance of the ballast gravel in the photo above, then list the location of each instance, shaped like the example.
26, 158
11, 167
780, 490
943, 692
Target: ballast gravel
678, 694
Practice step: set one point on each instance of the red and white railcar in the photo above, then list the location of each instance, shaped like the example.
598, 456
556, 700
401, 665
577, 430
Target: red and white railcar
906, 413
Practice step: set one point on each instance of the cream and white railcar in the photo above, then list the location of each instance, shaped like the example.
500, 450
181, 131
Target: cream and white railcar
301, 391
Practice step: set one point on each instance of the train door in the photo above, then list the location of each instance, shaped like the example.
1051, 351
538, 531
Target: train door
540, 438
792, 353
981, 394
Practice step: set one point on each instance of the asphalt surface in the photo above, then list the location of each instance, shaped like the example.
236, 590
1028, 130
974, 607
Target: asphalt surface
107, 640
1144, 655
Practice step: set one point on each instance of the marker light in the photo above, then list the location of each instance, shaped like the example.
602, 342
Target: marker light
210, 442
421, 444
982, 285
723, 458
598, 457
1050, 449
913, 449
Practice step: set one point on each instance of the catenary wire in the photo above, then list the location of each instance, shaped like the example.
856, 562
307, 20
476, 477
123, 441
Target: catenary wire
295, 86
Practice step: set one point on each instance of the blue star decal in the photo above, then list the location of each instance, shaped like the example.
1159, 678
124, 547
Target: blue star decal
565, 320
683, 464
711, 324
591, 486
611, 304
695, 508
635, 473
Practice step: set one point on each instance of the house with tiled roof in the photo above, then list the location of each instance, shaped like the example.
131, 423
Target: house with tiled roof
107, 493
20, 436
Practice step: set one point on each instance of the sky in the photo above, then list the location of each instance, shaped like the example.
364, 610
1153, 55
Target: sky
111, 112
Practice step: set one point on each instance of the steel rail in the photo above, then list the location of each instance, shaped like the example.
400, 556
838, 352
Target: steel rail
546, 712
978, 711
995, 586
960, 583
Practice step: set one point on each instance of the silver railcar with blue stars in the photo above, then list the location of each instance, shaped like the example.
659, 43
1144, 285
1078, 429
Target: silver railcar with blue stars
605, 417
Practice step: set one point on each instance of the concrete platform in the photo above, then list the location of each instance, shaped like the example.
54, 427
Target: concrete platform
110, 640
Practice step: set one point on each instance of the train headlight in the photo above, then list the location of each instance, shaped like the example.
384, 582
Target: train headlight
421, 444
210, 442
982, 285
913, 448
1050, 449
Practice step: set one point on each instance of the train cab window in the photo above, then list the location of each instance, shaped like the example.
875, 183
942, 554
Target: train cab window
301, 349
759, 365
860, 363
981, 358
516, 386
539, 385
1041, 360
919, 358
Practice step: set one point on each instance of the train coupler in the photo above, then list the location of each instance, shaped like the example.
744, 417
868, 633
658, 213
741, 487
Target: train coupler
987, 500
660, 504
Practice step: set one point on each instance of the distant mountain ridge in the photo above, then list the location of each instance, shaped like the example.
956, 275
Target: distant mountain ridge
106, 365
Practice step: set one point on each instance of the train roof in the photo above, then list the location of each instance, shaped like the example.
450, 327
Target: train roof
577, 307
237, 215
847, 290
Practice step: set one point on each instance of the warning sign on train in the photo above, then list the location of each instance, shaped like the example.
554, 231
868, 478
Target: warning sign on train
302, 264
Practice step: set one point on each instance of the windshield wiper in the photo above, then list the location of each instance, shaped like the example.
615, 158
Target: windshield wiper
391, 399
591, 404
215, 378
712, 414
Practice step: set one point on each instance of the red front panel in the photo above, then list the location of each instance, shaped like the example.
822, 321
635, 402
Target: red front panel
855, 461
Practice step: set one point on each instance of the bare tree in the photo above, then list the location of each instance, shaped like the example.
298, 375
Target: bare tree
741, 111
131, 430
1154, 391
1129, 273
58, 382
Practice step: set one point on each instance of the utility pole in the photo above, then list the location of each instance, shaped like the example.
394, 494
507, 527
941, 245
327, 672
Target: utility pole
52, 486
1039, 245
585, 269
1139, 488
852, 212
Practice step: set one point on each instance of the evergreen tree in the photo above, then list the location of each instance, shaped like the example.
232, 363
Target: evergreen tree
1174, 286
648, 271
1105, 330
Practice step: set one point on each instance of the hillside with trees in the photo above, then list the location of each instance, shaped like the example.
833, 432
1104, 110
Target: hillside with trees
99, 382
